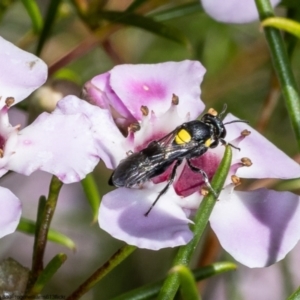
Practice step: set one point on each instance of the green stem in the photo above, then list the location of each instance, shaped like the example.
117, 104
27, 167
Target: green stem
52, 267
295, 295
34, 14
29, 227
290, 39
49, 21
46, 211
114, 261
92, 194
188, 285
282, 67
151, 291
184, 254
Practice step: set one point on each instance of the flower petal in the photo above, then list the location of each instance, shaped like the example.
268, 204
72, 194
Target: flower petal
111, 143
154, 85
233, 11
8, 140
10, 212
257, 228
154, 128
122, 215
59, 144
98, 91
188, 181
21, 72
267, 160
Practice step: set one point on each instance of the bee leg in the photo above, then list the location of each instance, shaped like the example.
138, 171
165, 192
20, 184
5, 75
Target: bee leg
224, 143
205, 177
170, 181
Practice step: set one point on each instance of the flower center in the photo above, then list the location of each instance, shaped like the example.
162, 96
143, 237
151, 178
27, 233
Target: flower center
190, 182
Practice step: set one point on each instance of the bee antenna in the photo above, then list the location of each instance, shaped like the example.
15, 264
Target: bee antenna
236, 121
223, 111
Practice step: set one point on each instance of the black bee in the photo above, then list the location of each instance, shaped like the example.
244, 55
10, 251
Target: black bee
189, 140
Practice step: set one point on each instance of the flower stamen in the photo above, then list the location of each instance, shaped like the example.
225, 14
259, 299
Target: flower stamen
204, 191
145, 110
235, 180
9, 101
175, 99
134, 127
245, 132
246, 162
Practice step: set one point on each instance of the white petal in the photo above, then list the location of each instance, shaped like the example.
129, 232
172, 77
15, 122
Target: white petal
257, 228
21, 72
10, 212
122, 215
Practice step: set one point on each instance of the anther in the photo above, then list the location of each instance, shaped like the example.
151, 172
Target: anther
212, 112
245, 132
145, 110
134, 127
1, 153
246, 162
235, 180
175, 99
9, 101
204, 191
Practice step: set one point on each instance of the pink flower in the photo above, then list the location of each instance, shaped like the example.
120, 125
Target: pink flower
61, 143
256, 227
233, 11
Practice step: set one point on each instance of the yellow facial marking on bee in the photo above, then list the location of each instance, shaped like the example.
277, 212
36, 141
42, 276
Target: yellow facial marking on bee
182, 137
212, 112
208, 142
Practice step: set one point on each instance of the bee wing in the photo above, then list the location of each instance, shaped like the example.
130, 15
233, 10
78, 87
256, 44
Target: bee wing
148, 163
140, 166
129, 171
167, 139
